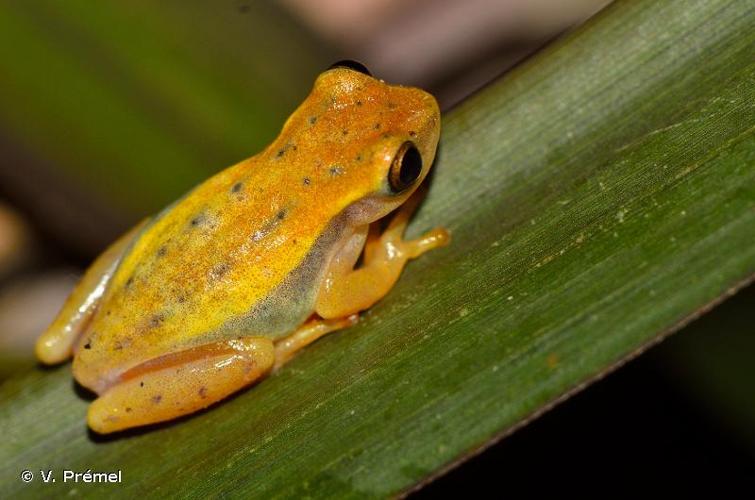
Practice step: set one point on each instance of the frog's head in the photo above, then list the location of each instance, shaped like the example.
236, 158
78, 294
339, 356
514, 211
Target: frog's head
361, 141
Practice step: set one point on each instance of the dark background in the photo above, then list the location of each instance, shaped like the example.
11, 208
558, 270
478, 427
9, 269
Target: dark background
678, 419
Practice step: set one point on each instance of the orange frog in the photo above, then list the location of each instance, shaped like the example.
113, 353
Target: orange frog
228, 283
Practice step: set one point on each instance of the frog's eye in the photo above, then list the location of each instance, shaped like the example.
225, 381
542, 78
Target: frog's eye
405, 168
352, 65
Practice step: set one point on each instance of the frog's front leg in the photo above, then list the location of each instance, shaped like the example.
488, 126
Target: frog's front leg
181, 383
56, 344
346, 290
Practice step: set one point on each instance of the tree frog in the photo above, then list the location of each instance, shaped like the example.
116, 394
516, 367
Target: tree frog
225, 285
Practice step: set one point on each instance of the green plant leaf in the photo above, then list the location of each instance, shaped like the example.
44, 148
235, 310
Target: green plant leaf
599, 196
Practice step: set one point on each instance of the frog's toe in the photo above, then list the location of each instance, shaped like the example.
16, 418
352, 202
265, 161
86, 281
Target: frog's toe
436, 238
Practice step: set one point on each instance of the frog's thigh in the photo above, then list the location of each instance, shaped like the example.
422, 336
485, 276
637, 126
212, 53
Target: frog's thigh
56, 343
347, 290
181, 383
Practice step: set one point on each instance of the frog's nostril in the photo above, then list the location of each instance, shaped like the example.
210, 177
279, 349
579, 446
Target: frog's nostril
352, 65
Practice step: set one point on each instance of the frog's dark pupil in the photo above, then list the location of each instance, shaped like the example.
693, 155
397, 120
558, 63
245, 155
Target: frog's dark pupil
411, 166
406, 167
352, 65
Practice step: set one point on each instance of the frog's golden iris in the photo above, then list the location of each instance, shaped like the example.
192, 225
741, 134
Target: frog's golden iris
225, 285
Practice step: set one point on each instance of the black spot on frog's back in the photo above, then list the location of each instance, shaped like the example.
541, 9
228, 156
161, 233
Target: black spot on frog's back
198, 220
219, 270
156, 320
288, 147
270, 225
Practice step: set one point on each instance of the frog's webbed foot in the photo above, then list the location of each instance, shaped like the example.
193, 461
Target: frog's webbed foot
348, 290
180, 383
56, 343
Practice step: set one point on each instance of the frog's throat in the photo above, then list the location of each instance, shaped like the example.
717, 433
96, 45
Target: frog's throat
371, 208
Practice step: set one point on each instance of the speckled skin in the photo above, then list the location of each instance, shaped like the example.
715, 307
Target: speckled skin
247, 252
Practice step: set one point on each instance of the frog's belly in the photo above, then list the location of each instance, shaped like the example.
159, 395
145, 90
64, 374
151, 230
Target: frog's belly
108, 349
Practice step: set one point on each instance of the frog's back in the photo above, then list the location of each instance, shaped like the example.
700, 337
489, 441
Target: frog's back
237, 255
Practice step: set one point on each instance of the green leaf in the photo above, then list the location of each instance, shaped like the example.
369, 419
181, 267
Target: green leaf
599, 196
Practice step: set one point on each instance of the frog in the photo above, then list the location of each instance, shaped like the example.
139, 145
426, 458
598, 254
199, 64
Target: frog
226, 285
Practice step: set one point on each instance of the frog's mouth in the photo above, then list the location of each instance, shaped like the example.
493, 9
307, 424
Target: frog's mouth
369, 209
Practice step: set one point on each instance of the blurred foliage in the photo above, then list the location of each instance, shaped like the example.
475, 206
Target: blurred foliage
130, 104
15, 241
711, 363
599, 195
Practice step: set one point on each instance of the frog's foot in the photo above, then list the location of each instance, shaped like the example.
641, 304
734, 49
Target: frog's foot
308, 333
382, 247
56, 343
347, 290
181, 383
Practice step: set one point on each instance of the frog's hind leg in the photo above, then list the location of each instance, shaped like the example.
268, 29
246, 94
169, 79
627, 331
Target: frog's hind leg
347, 290
180, 383
306, 334
56, 343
